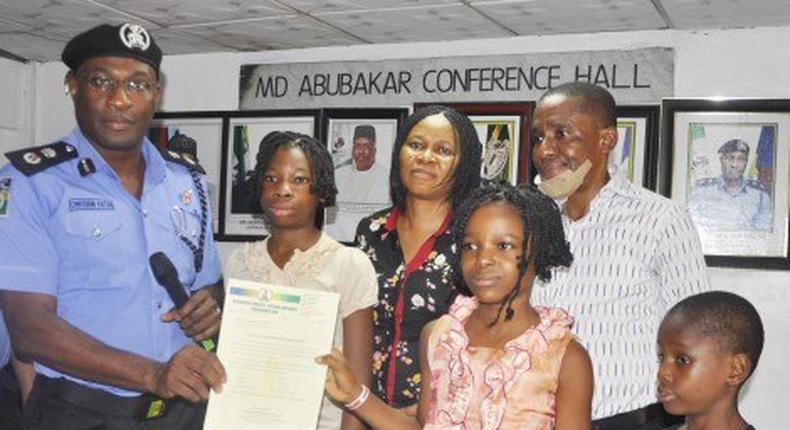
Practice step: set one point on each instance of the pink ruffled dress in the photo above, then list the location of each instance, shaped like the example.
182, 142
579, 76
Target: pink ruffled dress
486, 388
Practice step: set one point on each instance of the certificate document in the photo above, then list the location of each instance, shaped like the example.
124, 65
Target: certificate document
269, 338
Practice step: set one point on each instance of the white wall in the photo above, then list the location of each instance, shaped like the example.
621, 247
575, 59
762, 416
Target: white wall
745, 63
16, 93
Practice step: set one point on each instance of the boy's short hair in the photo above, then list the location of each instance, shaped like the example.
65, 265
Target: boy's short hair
729, 319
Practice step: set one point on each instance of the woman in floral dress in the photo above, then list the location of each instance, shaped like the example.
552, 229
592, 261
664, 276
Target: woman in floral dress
435, 165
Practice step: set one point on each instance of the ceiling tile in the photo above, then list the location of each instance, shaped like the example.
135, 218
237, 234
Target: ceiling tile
174, 41
416, 24
175, 13
312, 6
278, 33
696, 14
67, 18
570, 16
33, 46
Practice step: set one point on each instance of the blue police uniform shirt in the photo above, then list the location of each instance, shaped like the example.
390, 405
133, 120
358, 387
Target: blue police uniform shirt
713, 207
5, 343
87, 241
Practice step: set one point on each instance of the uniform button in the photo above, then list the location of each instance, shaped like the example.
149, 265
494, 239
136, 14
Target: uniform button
145, 212
96, 232
159, 304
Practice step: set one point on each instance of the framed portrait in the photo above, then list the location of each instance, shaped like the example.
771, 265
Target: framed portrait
727, 159
636, 153
200, 135
360, 141
242, 218
503, 129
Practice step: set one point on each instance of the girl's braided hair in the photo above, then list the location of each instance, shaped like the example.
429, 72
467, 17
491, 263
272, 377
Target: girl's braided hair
321, 167
544, 245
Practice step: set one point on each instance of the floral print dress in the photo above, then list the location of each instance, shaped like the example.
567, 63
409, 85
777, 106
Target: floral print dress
482, 388
411, 294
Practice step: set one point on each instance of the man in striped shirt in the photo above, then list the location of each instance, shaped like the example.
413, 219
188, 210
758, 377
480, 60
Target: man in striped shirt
635, 253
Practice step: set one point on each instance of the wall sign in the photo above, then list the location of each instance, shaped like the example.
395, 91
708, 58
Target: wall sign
632, 76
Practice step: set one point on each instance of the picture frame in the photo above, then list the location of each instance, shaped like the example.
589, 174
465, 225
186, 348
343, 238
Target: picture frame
205, 129
242, 218
504, 131
361, 142
636, 153
729, 161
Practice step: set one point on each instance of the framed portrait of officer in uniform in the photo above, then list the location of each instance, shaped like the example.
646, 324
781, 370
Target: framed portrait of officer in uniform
360, 142
242, 216
197, 135
503, 129
723, 159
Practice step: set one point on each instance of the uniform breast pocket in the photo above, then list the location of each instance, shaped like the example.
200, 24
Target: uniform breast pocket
95, 257
188, 222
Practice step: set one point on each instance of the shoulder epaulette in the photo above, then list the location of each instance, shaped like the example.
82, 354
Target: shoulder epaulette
705, 182
30, 161
756, 184
183, 159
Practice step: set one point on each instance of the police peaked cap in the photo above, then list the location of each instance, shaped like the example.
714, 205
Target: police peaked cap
183, 143
734, 145
125, 40
365, 132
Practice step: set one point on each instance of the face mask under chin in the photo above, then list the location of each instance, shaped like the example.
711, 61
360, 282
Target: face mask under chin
566, 183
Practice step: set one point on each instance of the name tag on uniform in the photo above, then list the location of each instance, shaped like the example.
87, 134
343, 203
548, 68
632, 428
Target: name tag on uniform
88, 204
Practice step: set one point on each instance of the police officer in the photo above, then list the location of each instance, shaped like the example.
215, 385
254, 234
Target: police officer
730, 201
83, 216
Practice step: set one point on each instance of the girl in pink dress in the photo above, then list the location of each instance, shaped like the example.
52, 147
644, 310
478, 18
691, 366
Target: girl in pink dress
494, 361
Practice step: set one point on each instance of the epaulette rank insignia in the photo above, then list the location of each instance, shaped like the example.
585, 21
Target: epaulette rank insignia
754, 183
183, 159
30, 161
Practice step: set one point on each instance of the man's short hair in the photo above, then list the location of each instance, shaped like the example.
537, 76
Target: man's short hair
734, 145
365, 132
727, 318
594, 100
124, 40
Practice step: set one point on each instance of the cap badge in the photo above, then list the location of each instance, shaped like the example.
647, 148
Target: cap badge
135, 36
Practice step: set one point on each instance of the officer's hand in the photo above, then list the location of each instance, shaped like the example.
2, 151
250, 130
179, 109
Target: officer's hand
190, 373
341, 386
199, 317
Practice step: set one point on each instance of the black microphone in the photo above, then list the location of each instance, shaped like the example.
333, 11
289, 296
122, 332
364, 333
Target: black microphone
167, 276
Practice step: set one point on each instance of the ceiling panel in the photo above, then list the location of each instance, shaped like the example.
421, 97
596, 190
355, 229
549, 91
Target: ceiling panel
6, 26
571, 16
279, 33
64, 17
448, 22
179, 12
34, 46
175, 41
312, 6
38, 29
696, 14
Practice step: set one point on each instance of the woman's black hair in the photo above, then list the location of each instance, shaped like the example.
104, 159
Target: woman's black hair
466, 176
544, 243
321, 167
